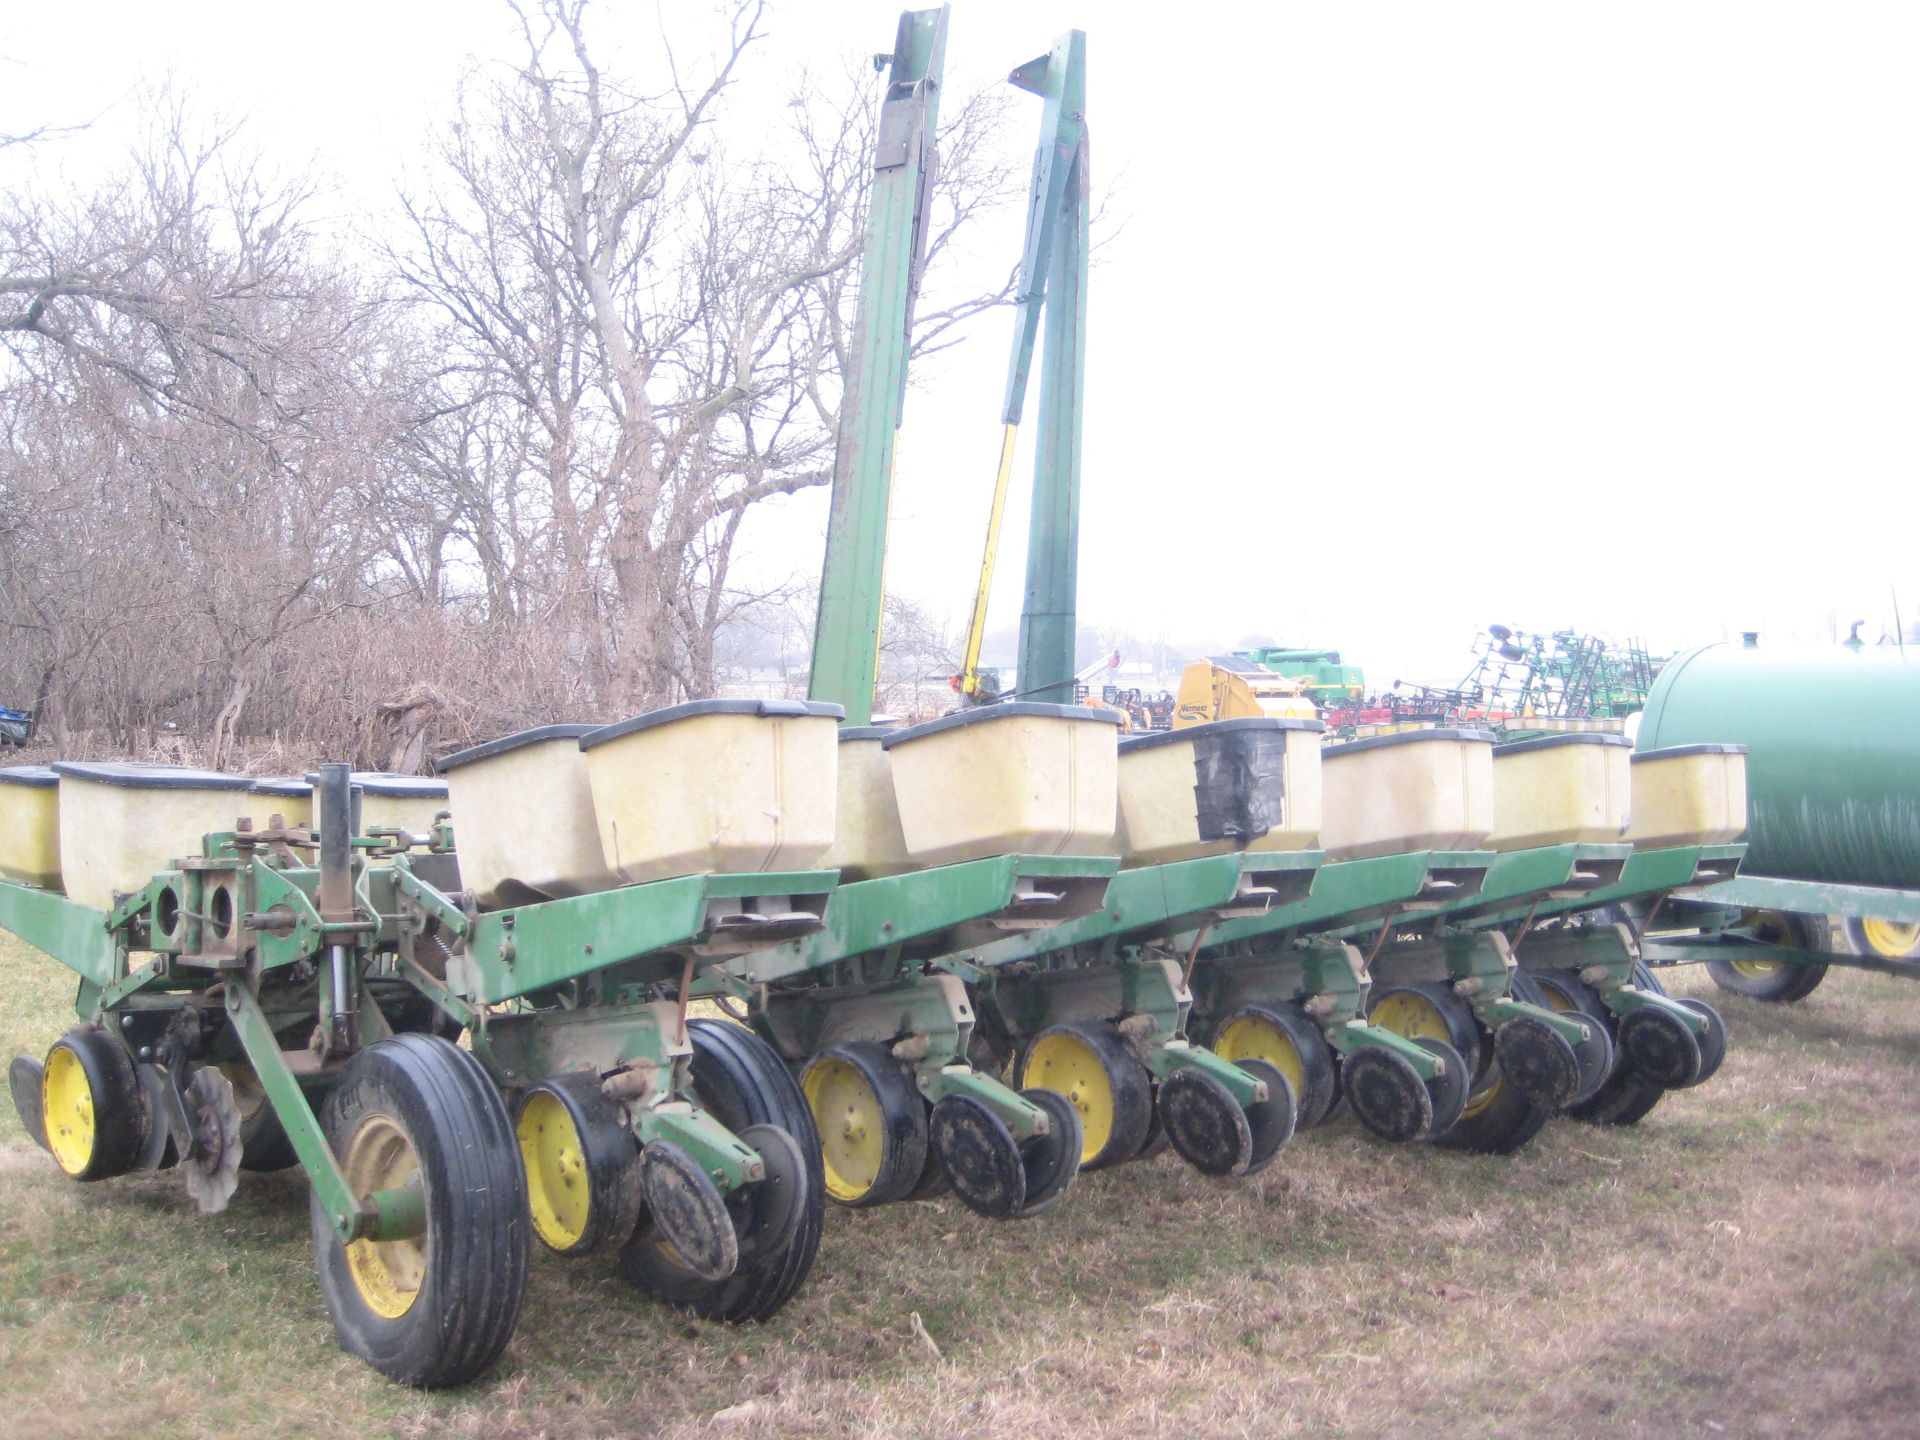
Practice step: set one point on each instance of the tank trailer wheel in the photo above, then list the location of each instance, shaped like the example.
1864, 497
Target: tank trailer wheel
1887, 939
1102, 1079
437, 1308
1387, 1094
583, 1167
1286, 1039
93, 1112
1779, 981
871, 1120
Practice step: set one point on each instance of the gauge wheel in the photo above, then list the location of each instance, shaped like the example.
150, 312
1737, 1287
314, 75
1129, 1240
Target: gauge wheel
1104, 1081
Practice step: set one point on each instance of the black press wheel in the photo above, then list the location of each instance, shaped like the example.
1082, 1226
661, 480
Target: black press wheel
1567, 994
1051, 1160
1387, 1094
1764, 978
1713, 1044
1499, 1117
1448, 1090
740, 1080
438, 1308
1627, 1098
1272, 1120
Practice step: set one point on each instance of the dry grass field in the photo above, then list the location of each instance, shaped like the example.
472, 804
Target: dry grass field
1744, 1263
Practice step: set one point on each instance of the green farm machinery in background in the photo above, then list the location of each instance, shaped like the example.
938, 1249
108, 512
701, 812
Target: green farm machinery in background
1833, 776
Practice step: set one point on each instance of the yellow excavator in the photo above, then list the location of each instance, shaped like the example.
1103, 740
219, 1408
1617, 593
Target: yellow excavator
1228, 687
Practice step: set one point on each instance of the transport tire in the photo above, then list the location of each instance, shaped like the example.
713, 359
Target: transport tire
436, 1309
1884, 939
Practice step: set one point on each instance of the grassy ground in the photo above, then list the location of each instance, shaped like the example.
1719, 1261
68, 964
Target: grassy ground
1744, 1263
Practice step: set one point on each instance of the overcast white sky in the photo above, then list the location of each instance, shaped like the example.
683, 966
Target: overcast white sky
1425, 315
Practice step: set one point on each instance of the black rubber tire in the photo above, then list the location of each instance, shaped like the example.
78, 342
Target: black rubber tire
1130, 1082
116, 1101
1387, 1095
1506, 1123
478, 1234
23, 1082
1052, 1161
1273, 1120
1657, 1046
1449, 1091
903, 1113
933, 1181
1319, 1071
1790, 982
609, 1155
1713, 1044
1626, 1098
738, 1077
1577, 998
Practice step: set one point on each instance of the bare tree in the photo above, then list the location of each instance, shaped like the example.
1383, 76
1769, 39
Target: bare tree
652, 328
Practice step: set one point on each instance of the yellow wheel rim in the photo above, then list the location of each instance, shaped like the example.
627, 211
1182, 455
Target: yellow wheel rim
1890, 938
248, 1093
387, 1273
1064, 1064
1483, 1097
1758, 969
852, 1126
557, 1187
1248, 1037
1411, 1015
66, 1101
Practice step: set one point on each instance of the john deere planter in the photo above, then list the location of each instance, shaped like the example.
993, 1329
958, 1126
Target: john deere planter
288, 995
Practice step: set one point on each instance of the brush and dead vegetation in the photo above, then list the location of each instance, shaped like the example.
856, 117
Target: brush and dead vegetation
1745, 1263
